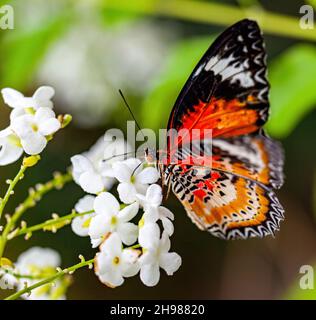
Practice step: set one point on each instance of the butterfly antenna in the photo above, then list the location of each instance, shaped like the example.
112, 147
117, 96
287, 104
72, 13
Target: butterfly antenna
118, 155
130, 111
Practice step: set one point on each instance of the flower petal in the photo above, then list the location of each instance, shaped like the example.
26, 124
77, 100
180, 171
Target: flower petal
112, 245
33, 143
99, 227
106, 203
130, 265
154, 195
9, 152
127, 192
112, 278
115, 148
17, 112
22, 125
149, 236
164, 242
128, 233
122, 172
103, 262
91, 182
151, 215
49, 126
167, 226
80, 226
133, 163
129, 212
43, 95
85, 204
148, 257
165, 212
170, 262
148, 175
11, 97
150, 274
43, 114
80, 164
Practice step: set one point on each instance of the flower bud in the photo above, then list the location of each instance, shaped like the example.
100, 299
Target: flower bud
31, 160
64, 120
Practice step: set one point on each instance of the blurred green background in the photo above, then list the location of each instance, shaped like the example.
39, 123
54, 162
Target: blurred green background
87, 50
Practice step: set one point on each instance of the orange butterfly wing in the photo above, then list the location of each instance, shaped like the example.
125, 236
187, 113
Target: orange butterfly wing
227, 92
228, 206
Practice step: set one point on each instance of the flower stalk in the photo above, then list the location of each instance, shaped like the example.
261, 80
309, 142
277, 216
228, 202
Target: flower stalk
10, 190
35, 195
51, 225
214, 13
51, 279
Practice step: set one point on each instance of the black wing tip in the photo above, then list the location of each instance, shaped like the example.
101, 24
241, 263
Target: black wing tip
246, 23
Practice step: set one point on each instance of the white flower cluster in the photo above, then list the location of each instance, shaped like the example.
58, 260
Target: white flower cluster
126, 247
31, 266
32, 123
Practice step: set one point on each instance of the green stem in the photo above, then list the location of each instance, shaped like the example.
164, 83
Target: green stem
64, 220
50, 279
214, 13
24, 276
34, 196
10, 189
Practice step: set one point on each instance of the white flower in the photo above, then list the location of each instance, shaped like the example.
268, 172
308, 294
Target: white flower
156, 255
91, 172
80, 225
153, 211
109, 218
16, 100
133, 178
33, 129
113, 263
86, 175
152, 199
39, 262
7, 279
10, 147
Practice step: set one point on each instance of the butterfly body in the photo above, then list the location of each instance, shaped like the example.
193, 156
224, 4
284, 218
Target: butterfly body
219, 162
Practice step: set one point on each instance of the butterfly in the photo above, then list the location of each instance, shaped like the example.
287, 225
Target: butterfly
225, 174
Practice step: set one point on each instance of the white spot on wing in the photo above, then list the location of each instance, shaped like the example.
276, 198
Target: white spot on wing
211, 63
245, 79
198, 71
231, 67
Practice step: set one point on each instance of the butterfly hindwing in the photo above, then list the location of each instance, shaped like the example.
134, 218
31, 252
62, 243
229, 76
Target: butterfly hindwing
254, 156
228, 206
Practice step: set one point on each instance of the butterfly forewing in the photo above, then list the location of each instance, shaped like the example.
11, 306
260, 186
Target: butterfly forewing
227, 91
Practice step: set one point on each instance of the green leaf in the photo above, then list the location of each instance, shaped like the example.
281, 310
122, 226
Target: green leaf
22, 51
292, 76
179, 65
